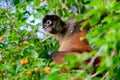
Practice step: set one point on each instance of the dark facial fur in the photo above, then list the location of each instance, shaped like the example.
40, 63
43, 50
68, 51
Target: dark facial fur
53, 24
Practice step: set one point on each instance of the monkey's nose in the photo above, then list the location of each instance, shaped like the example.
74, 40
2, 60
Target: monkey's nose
45, 25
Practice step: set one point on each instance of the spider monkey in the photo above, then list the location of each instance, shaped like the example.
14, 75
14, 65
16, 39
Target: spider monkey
69, 36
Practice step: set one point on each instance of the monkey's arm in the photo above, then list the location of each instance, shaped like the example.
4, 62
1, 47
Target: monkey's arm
59, 37
74, 27
58, 58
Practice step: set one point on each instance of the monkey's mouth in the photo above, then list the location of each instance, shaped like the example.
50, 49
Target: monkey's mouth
49, 29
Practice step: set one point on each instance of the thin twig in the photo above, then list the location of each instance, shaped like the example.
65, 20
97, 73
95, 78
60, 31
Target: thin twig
106, 74
43, 32
47, 38
13, 23
10, 19
92, 60
95, 74
78, 6
95, 56
65, 6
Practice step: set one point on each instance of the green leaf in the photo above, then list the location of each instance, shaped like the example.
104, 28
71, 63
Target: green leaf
109, 62
52, 4
37, 15
8, 68
36, 3
59, 12
16, 2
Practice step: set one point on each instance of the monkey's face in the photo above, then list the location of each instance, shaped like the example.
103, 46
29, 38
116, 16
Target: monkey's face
50, 26
51, 23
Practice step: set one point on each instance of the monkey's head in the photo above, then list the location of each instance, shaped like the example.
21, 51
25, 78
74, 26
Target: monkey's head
53, 24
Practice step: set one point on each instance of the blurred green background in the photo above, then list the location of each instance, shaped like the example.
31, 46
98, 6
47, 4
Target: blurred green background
24, 45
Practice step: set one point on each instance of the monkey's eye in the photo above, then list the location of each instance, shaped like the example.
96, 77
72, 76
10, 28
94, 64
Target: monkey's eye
49, 22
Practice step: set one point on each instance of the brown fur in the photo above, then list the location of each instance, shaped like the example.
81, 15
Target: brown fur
71, 39
75, 43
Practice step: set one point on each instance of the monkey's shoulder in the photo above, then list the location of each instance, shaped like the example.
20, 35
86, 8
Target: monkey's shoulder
75, 42
72, 29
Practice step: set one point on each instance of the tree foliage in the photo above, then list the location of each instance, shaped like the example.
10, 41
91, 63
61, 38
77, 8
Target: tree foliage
24, 53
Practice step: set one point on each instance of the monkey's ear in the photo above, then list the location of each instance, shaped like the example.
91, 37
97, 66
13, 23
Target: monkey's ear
46, 15
56, 17
45, 18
